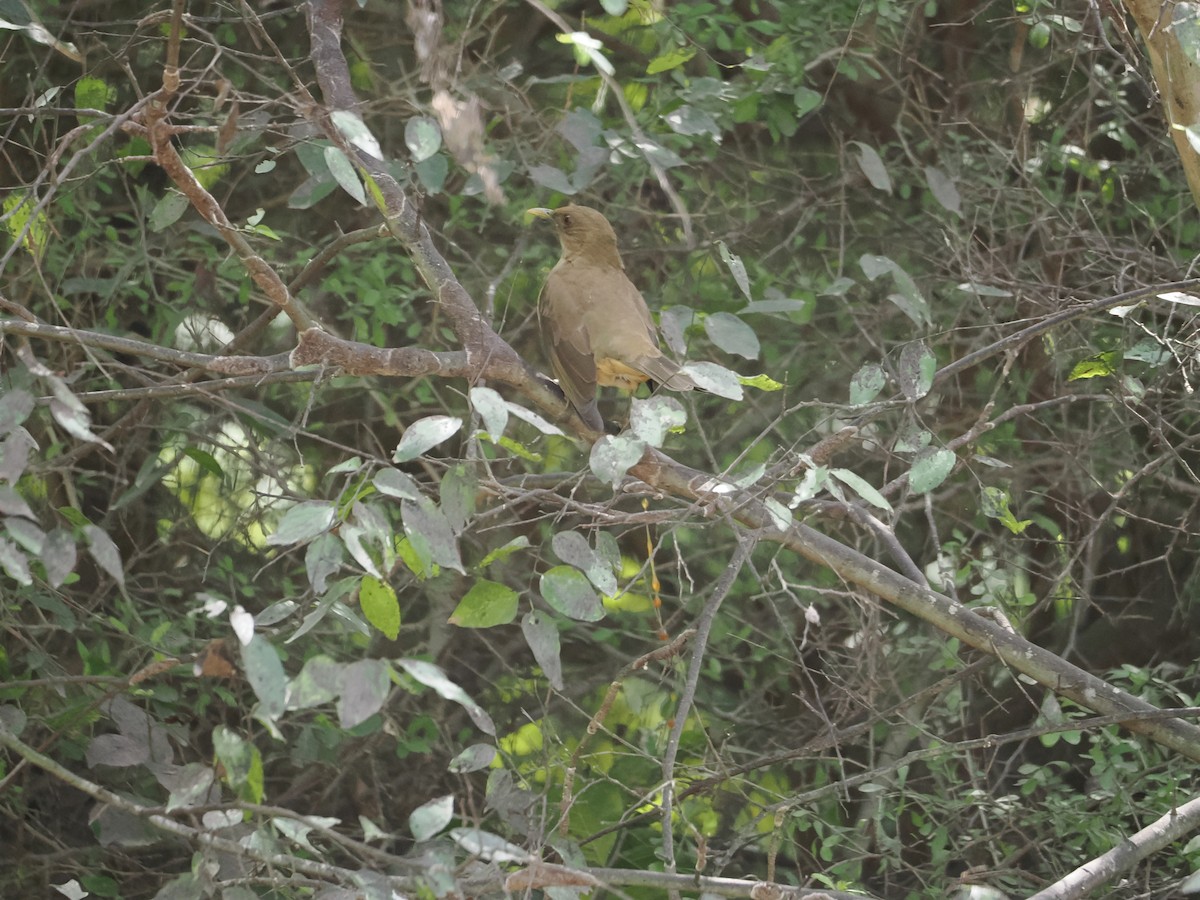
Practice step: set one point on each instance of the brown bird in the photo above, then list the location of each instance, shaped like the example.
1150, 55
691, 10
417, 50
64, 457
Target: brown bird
594, 322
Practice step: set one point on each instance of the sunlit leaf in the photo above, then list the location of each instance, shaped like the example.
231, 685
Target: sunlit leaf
431, 817
760, 382
380, 606
424, 522
425, 434
395, 483
319, 682
485, 605
672, 59
488, 846
862, 487
715, 379
492, 408
520, 542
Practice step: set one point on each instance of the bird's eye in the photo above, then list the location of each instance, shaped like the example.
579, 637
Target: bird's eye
567, 219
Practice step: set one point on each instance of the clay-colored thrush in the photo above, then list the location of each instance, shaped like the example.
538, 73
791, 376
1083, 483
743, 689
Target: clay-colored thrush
594, 322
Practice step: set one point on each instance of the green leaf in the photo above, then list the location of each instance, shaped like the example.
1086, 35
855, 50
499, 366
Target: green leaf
365, 686
105, 552
423, 137
240, 762
355, 130
995, 505
429, 818
425, 524
689, 120
433, 172
568, 591
303, 522
93, 93
806, 100
266, 677
542, 637
425, 434
475, 758
1099, 366
380, 606
761, 382
930, 468
518, 543
168, 210
433, 677
861, 487
731, 334
944, 191
614, 455
866, 384
572, 548
395, 483
872, 166
14, 562
587, 49
457, 493
652, 419
909, 298
485, 605
552, 178
492, 408
915, 370
715, 379
344, 174
15, 407
319, 682
673, 58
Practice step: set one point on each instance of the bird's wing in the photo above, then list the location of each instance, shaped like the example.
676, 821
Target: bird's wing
569, 349
629, 336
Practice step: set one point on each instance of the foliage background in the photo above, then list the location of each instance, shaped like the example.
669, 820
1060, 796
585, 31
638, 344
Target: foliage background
904, 184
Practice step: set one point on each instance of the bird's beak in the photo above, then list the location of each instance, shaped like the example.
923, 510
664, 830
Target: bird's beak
541, 212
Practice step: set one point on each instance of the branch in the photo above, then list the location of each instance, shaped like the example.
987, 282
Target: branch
323, 871
664, 473
941, 611
487, 354
1128, 853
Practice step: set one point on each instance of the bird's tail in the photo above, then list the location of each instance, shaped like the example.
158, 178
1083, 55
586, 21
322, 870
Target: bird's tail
665, 372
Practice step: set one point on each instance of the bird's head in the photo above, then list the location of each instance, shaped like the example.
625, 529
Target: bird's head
583, 232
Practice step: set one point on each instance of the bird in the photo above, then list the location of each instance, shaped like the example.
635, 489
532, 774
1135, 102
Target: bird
594, 323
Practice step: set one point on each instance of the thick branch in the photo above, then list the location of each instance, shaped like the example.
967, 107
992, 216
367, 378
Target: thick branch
1176, 73
939, 610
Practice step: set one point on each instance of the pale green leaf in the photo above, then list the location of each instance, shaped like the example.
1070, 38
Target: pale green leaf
486, 605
